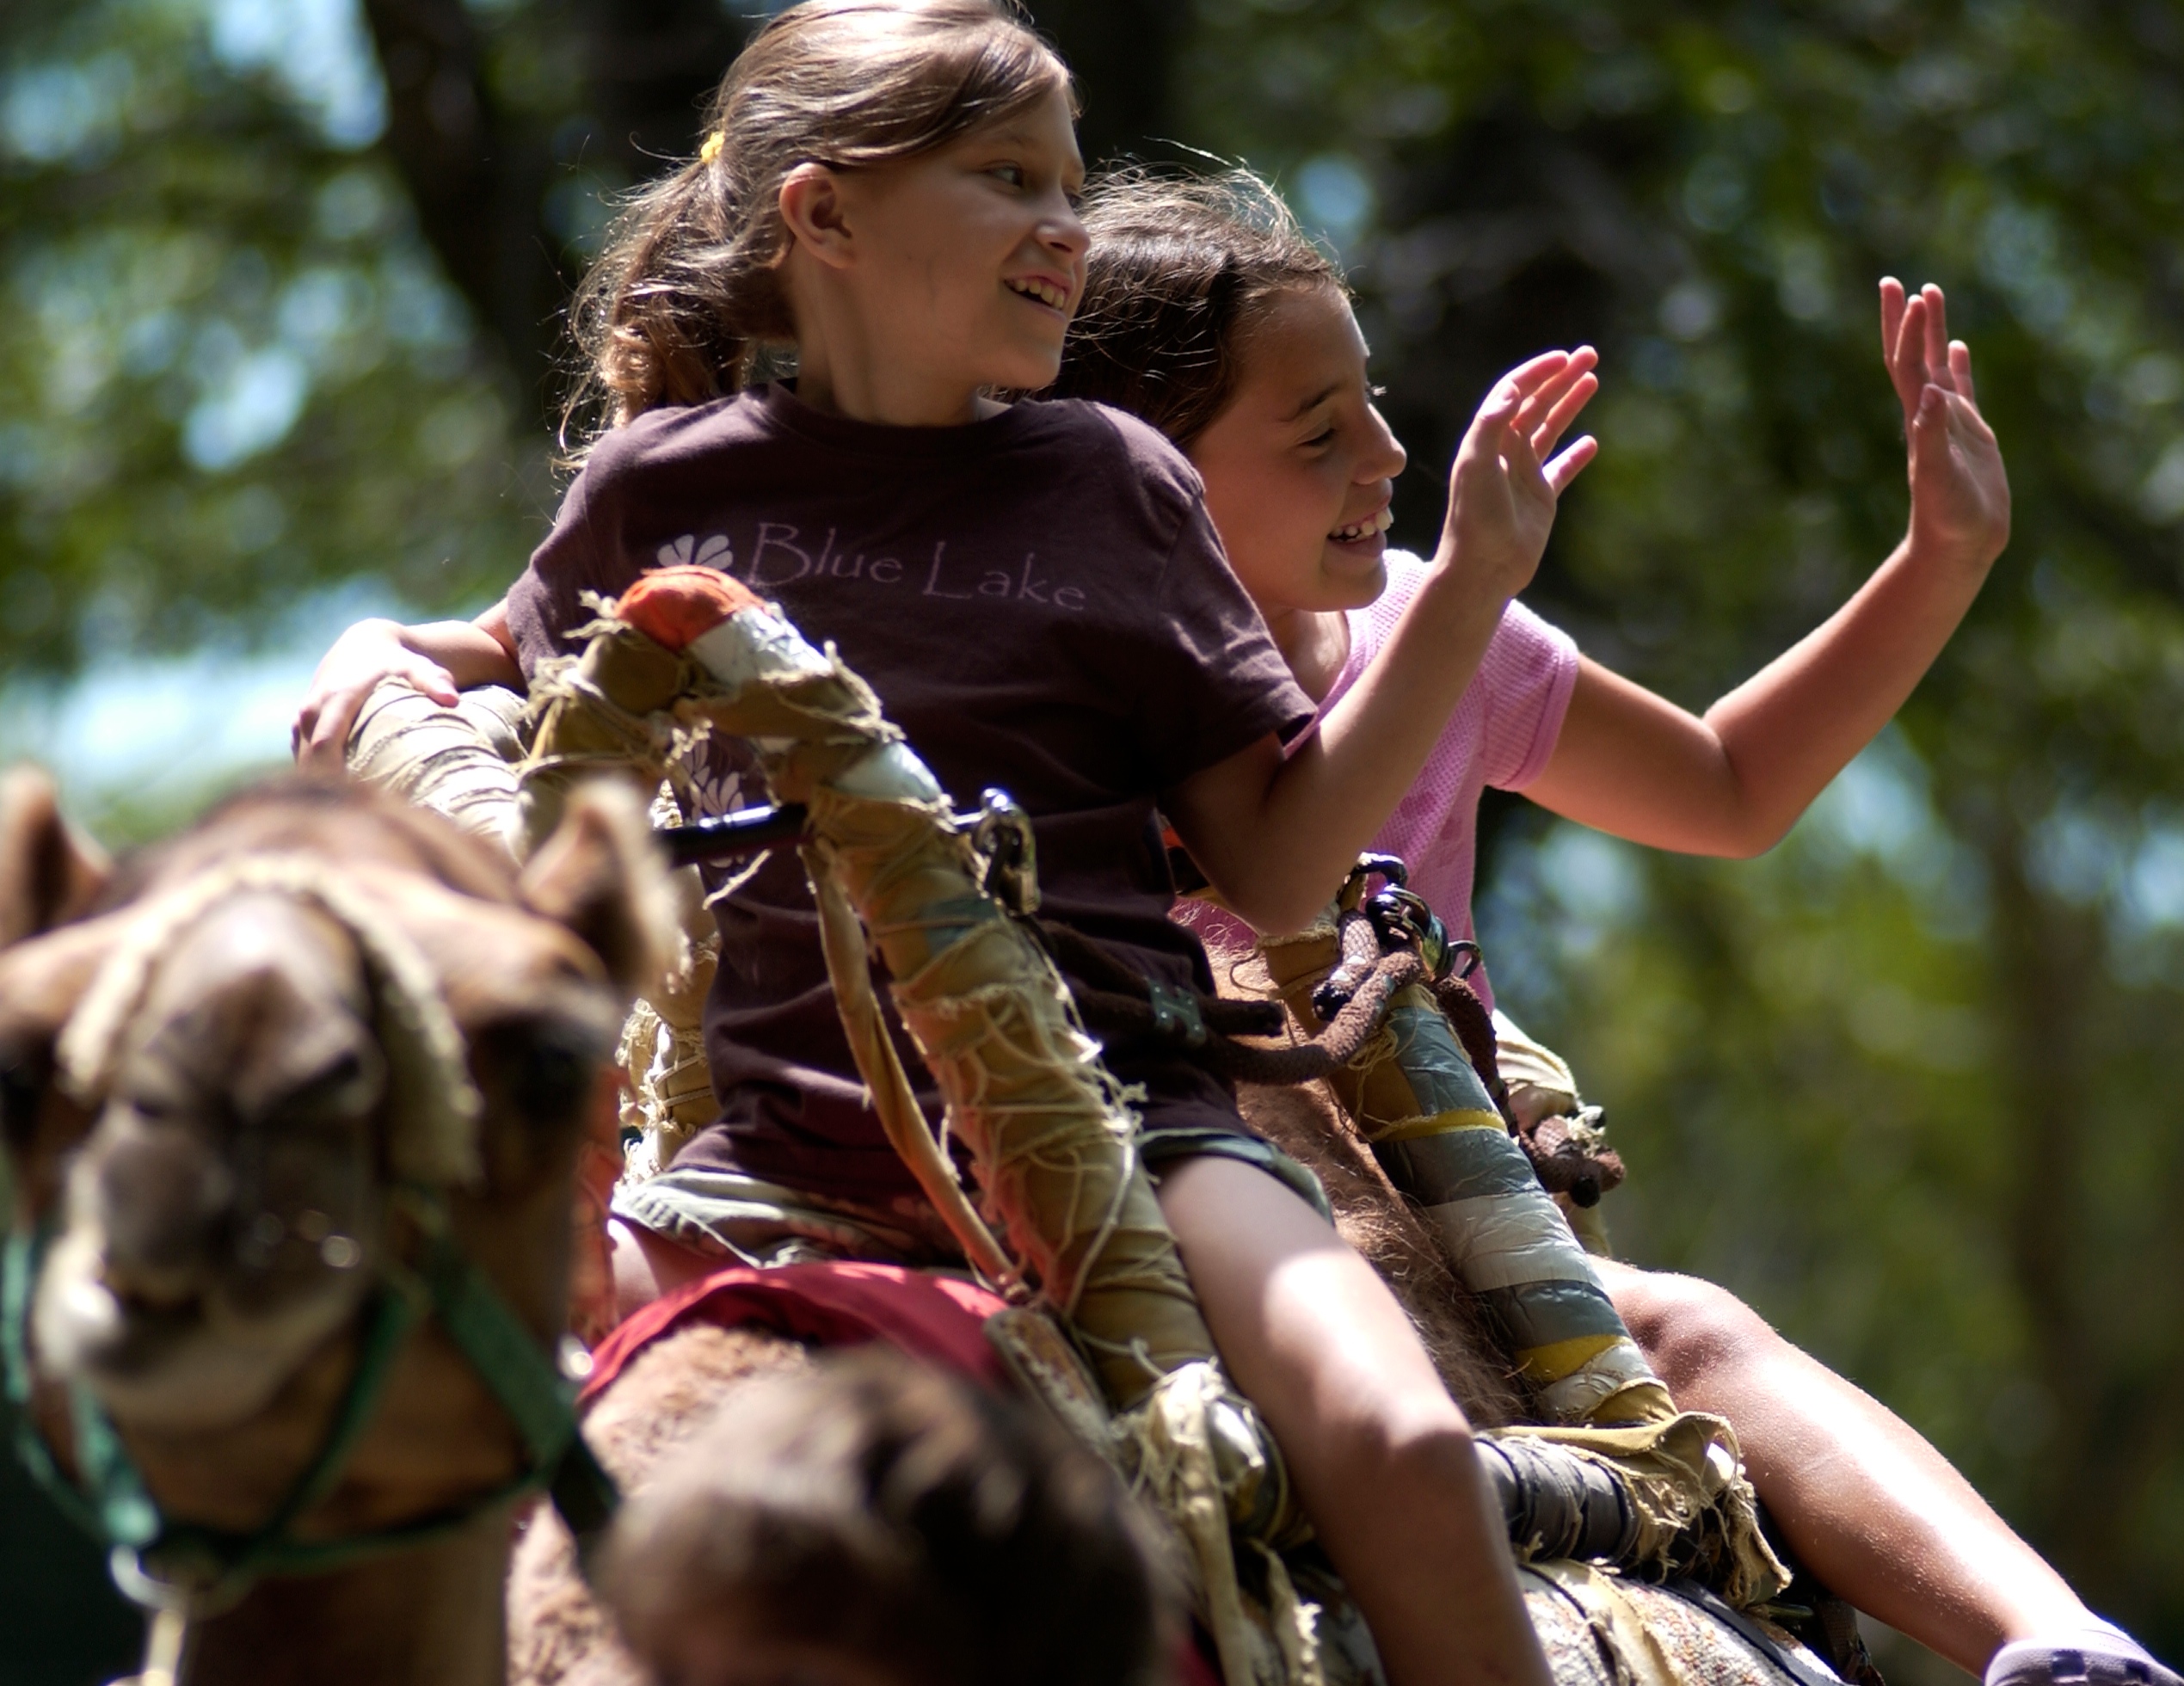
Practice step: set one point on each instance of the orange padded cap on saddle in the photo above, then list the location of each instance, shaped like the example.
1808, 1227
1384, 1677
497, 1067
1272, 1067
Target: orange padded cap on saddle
674, 607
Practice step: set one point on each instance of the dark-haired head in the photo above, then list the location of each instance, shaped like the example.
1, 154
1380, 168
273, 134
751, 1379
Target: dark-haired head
874, 1521
686, 299
1181, 270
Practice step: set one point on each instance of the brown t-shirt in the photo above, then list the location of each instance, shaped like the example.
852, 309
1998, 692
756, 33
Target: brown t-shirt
1042, 605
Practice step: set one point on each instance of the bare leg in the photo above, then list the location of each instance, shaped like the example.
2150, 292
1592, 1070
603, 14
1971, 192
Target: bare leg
1381, 1455
1866, 1502
647, 1265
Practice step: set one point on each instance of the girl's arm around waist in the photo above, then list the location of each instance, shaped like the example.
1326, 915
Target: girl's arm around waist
440, 658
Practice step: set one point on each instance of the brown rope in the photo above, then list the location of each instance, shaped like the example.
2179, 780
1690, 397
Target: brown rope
1119, 1006
1566, 1167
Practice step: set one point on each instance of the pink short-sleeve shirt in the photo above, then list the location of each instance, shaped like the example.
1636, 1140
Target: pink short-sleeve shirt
1501, 734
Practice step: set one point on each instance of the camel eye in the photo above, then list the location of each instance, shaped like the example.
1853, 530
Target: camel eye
347, 1089
542, 1067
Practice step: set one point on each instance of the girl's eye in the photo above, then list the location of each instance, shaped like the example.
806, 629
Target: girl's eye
1011, 174
1322, 436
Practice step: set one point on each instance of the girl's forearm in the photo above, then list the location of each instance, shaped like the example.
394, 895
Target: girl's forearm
474, 652
1277, 836
1734, 782
1791, 728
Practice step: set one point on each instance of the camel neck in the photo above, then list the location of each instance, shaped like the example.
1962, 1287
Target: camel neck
431, 1617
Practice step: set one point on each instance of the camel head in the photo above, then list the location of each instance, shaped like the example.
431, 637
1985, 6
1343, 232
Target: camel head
246, 1077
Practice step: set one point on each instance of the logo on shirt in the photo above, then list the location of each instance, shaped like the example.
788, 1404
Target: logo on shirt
782, 556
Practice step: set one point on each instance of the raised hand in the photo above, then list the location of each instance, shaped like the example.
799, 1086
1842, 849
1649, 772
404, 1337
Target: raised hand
1507, 479
1959, 489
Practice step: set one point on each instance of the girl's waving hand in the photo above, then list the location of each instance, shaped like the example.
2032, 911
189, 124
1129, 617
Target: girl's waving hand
1734, 781
1959, 492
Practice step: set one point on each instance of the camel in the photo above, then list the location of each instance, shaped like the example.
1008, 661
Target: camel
252, 1157
224, 1093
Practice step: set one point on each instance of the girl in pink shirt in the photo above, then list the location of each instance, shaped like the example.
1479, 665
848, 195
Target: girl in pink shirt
1208, 313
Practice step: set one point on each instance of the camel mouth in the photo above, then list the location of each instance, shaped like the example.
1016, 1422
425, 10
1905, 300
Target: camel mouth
172, 1359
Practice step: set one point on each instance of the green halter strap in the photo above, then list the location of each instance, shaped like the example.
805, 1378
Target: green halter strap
154, 1558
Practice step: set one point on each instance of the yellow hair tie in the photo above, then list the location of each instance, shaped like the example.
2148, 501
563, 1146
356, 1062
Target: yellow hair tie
710, 152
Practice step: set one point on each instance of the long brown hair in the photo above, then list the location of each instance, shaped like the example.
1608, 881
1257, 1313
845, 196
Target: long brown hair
687, 297
1181, 269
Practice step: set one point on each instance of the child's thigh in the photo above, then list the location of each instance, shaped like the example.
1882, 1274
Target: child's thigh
1304, 1327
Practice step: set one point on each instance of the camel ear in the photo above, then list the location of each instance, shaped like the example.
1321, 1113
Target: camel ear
50, 873
602, 875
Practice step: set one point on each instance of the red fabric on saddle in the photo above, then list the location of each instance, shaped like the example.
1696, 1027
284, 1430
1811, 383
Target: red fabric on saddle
1194, 1667
935, 1318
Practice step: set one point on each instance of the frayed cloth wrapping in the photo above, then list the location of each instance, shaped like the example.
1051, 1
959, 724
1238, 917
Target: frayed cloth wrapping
1695, 1508
1051, 1136
1175, 1446
1424, 1111
1195, 1451
1618, 1624
461, 763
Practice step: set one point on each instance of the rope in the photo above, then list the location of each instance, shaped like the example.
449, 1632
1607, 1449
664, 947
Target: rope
1116, 1006
1121, 1007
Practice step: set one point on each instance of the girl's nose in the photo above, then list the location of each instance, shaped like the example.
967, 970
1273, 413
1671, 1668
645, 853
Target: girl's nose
1062, 232
1384, 455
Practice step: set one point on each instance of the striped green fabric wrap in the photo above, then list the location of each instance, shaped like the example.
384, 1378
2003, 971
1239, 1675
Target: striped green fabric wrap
1426, 1112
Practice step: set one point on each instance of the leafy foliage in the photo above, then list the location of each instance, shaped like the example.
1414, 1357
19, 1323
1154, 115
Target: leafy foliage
239, 376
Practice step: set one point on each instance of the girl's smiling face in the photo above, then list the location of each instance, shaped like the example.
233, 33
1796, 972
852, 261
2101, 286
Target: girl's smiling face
1300, 468
970, 260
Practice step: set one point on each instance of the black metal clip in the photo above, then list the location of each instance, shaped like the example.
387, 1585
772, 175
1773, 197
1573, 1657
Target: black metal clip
1009, 855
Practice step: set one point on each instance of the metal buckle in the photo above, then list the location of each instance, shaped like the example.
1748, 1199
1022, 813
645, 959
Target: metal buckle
1008, 854
1176, 1017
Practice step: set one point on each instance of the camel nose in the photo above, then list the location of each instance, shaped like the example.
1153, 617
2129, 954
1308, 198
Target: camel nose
164, 1199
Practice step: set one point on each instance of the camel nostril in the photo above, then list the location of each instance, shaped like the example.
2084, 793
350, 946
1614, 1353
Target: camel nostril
163, 1200
261, 1239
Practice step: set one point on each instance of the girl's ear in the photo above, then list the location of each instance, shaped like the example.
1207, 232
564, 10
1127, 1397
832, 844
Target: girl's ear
811, 206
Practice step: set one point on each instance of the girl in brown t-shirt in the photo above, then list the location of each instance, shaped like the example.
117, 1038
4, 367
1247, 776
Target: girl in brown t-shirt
1037, 597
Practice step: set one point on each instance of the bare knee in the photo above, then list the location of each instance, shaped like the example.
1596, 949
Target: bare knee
1691, 1331
647, 1266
